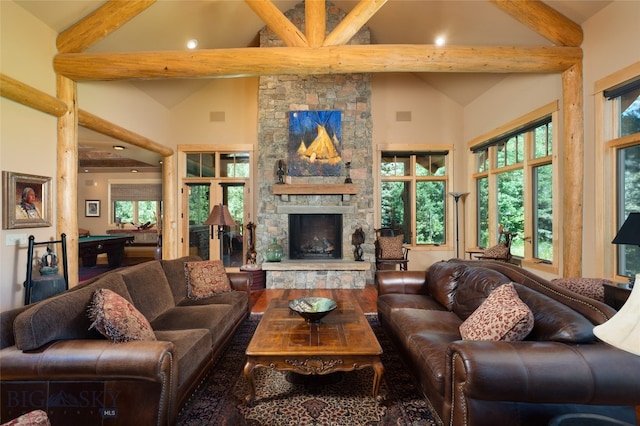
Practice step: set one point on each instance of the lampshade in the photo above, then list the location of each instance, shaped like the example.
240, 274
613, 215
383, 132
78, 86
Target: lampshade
630, 231
623, 329
220, 216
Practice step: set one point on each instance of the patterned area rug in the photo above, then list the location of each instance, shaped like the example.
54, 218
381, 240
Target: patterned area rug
282, 399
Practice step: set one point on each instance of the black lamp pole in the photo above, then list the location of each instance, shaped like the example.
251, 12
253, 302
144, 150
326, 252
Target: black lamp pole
456, 196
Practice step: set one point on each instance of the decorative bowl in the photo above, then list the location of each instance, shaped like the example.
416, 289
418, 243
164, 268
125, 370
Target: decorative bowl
312, 309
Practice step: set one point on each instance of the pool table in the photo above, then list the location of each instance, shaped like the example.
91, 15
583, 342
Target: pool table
91, 246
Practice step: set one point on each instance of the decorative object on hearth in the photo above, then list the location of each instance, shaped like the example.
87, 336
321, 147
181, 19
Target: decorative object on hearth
274, 251
357, 239
312, 309
280, 172
251, 242
623, 329
456, 196
629, 234
347, 165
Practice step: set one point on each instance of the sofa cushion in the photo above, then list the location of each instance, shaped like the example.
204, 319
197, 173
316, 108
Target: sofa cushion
590, 287
174, 270
442, 281
64, 316
391, 247
392, 301
32, 418
502, 316
206, 278
193, 350
474, 286
149, 288
553, 320
117, 319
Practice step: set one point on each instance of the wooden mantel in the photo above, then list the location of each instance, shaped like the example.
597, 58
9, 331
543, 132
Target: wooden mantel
344, 189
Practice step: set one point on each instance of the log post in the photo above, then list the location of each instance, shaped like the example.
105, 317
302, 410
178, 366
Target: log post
169, 220
67, 175
573, 165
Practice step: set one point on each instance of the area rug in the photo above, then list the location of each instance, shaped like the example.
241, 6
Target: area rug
281, 399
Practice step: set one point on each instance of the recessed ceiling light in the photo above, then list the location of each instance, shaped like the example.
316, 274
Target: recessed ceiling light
192, 44
134, 170
118, 147
86, 170
440, 41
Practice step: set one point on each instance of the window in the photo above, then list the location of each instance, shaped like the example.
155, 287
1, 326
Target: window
623, 103
135, 203
413, 195
514, 186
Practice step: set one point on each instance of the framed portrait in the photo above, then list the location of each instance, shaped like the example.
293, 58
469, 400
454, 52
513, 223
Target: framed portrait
26, 201
92, 208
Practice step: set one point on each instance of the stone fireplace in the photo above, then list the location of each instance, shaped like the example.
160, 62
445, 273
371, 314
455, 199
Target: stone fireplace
319, 259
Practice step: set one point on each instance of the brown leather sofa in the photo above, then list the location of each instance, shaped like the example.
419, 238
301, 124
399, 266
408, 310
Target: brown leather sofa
50, 360
560, 367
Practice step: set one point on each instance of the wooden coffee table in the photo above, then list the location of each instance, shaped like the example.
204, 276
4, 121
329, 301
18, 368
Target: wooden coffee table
341, 341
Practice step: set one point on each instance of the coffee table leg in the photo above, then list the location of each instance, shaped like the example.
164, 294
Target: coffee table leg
377, 377
248, 374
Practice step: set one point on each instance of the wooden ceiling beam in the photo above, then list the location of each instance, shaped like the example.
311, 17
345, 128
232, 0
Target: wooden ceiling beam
315, 20
31, 97
278, 23
352, 23
256, 61
544, 20
99, 24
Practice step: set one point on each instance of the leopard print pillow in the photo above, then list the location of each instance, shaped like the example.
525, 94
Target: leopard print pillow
391, 247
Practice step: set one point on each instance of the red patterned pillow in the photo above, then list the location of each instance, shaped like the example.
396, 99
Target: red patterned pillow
117, 319
206, 278
32, 418
502, 316
391, 247
590, 287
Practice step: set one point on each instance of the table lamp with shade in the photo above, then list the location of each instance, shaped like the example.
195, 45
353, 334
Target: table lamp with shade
220, 216
623, 329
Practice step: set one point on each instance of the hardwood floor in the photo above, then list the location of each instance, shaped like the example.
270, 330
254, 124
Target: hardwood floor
366, 297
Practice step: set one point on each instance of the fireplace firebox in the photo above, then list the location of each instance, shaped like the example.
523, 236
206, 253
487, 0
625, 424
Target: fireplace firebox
315, 236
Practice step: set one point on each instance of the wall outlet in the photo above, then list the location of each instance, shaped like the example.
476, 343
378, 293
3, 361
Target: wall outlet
16, 239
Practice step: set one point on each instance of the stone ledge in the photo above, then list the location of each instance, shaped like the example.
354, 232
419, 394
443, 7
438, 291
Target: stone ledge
316, 265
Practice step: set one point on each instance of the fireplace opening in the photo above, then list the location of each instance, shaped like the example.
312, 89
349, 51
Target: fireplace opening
315, 236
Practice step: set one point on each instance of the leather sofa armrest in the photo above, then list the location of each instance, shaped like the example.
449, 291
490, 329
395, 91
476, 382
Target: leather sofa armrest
539, 372
404, 282
240, 281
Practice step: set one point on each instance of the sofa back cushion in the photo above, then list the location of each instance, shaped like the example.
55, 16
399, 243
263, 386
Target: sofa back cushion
442, 282
554, 321
174, 270
64, 316
474, 286
149, 288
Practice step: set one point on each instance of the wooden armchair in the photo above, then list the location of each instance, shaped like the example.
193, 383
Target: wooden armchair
502, 250
390, 249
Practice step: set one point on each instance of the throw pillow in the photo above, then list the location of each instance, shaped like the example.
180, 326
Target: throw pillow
117, 319
590, 287
391, 247
502, 316
499, 251
206, 278
32, 418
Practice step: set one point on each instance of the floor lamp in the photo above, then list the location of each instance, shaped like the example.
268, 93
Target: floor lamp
456, 196
220, 216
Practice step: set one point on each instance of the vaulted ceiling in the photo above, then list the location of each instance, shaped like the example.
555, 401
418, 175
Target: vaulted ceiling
224, 24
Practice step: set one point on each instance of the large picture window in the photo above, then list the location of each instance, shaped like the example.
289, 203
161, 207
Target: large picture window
413, 195
514, 186
135, 202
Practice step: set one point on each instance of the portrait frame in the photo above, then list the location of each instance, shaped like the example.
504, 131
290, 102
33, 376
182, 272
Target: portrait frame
13, 184
92, 208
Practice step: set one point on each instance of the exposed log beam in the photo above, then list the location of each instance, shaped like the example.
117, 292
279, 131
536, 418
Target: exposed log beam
315, 19
326, 60
352, 23
278, 23
99, 24
93, 122
31, 97
544, 20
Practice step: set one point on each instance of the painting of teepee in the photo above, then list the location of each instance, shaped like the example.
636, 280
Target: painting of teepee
315, 143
